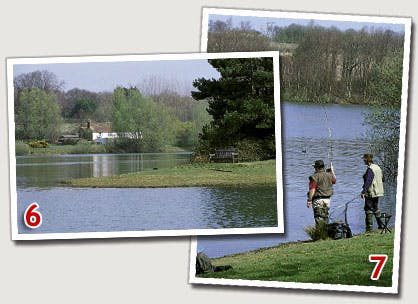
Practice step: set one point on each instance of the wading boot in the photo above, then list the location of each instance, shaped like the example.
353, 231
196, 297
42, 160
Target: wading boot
369, 221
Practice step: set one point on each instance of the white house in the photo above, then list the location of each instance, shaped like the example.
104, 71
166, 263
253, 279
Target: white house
103, 137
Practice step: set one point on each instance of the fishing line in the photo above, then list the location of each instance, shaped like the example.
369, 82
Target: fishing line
345, 206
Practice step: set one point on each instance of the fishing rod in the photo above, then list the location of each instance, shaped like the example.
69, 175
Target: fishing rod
330, 153
329, 143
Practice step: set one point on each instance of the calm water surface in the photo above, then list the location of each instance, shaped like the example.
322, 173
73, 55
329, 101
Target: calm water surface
305, 139
66, 209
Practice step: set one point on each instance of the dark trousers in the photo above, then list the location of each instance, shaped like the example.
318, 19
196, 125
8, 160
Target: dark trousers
371, 208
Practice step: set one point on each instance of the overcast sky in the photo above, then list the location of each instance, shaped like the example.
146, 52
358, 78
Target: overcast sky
260, 23
105, 76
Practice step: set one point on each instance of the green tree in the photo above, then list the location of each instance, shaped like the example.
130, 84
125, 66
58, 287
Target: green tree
241, 104
103, 112
38, 116
386, 81
78, 103
185, 132
383, 132
384, 121
141, 123
43, 80
83, 108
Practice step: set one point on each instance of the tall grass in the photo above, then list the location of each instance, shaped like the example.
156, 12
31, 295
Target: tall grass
318, 232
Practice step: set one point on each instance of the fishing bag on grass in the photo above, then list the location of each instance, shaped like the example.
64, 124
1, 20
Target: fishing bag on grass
339, 230
204, 265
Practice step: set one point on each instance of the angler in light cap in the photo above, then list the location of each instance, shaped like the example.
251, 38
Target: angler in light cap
372, 190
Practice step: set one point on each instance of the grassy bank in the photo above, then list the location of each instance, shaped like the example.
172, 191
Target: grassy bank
80, 148
330, 261
52, 149
214, 174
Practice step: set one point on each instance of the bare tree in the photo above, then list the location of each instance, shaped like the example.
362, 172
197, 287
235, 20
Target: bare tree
155, 85
43, 80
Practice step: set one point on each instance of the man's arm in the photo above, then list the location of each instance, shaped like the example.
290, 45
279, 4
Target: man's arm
311, 193
367, 181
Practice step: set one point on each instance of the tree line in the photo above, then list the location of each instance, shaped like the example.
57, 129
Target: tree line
319, 64
43, 110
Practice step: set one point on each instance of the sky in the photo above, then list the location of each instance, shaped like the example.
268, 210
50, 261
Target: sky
106, 76
260, 23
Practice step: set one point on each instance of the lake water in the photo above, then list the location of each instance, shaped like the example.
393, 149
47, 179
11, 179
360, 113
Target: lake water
66, 209
306, 137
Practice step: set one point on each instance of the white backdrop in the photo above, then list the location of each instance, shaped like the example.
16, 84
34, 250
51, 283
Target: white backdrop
150, 269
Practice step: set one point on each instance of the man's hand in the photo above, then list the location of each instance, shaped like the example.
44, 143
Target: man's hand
309, 204
363, 195
331, 169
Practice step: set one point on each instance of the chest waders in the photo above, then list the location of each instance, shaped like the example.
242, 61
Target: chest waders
321, 199
371, 201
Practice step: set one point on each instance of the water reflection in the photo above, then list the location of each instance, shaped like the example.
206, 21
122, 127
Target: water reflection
51, 170
104, 165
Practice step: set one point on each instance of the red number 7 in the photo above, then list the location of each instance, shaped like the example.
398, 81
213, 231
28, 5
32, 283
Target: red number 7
380, 260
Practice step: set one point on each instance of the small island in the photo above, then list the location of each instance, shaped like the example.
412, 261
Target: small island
191, 175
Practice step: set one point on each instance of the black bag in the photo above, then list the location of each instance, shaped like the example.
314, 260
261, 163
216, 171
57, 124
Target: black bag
339, 230
204, 265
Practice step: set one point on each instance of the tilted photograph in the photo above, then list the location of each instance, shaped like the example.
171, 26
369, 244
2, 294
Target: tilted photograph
343, 87
144, 145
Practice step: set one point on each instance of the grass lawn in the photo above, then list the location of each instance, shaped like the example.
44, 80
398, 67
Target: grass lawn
191, 175
329, 261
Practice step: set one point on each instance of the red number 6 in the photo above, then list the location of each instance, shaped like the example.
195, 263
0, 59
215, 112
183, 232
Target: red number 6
32, 218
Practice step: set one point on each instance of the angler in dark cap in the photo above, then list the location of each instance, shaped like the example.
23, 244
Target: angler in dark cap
320, 191
372, 190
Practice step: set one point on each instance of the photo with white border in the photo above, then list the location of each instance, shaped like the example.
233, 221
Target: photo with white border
334, 69
103, 147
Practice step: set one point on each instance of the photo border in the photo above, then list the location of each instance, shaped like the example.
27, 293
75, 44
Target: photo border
150, 233
406, 21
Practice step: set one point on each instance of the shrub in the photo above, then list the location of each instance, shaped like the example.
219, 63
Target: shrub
199, 158
85, 133
38, 144
123, 145
85, 147
318, 232
249, 150
22, 148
